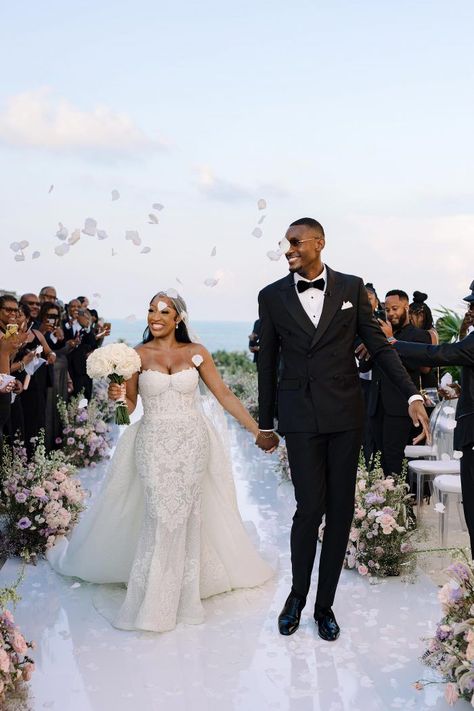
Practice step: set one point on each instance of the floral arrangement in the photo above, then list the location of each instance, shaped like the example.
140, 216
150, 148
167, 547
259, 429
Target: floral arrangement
39, 499
383, 525
86, 436
105, 406
451, 650
117, 362
16, 666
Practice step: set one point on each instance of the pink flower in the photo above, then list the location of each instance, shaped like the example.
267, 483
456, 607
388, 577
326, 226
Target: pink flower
362, 570
20, 497
59, 475
2, 686
7, 615
38, 491
451, 694
418, 685
4, 661
360, 513
28, 670
70, 441
354, 534
79, 431
18, 643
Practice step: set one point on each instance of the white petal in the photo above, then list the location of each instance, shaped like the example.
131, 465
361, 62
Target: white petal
449, 410
102, 234
157, 206
457, 454
15, 246
172, 293
257, 232
75, 585
440, 508
20, 257
197, 359
63, 232
131, 318
24, 244
445, 457
115, 195
162, 305
61, 250
51, 188
96, 295
211, 282
261, 219
133, 236
451, 425
145, 250
75, 237
35, 255
274, 256
262, 204
90, 226
179, 281
214, 252
284, 245
114, 253
153, 220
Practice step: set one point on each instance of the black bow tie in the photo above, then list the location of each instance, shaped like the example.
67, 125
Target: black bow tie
303, 285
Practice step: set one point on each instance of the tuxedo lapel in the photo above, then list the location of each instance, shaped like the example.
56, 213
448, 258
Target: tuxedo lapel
332, 304
293, 304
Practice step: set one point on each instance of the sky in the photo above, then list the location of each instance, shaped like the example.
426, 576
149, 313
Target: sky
359, 114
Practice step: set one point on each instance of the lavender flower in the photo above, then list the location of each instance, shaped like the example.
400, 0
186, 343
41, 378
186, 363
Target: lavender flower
24, 523
20, 497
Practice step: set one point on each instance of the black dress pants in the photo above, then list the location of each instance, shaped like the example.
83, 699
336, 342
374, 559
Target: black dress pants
323, 470
391, 434
467, 487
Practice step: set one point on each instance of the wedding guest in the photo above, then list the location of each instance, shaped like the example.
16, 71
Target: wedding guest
421, 317
32, 302
254, 340
365, 375
467, 325
48, 294
50, 320
79, 334
390, 423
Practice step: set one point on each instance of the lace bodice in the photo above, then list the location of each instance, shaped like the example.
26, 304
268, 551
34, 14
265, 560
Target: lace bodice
168, 394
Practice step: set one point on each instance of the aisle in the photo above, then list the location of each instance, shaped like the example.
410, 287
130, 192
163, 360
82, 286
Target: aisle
236, 660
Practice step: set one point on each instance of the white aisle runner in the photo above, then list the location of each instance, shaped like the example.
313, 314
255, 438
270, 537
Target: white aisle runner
236, 660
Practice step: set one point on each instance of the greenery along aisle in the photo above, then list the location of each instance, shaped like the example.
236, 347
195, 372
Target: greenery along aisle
240, 375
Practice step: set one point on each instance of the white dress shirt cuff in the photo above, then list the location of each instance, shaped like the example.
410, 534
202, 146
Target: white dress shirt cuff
265, 430
413, 398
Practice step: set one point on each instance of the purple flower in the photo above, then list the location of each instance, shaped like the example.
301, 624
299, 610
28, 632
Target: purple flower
460, 570
24, 523
58, 440
372, 498
20, 497
70, 440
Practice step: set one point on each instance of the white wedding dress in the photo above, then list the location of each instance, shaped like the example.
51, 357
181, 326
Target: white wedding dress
166, 522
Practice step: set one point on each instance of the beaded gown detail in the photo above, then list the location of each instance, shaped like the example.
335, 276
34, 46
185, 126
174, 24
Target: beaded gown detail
166, 522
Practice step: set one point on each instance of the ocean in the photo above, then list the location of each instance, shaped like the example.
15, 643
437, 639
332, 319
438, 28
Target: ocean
214, 335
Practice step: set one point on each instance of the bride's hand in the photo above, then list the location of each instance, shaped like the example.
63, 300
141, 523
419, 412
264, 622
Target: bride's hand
117, 392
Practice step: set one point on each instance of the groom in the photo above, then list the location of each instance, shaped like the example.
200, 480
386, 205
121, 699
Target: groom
309, 321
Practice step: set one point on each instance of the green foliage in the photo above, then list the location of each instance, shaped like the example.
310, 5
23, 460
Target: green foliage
232, 362
448, 326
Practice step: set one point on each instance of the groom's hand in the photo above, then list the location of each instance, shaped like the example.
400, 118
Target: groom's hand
268, 441
419, 417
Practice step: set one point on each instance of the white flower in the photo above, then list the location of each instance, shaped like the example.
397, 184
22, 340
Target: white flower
440, 508
115, 358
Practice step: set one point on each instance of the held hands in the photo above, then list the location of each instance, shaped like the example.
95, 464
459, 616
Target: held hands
267, 441
419, 417
117, 392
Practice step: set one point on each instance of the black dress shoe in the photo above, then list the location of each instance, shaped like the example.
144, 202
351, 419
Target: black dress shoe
327, 626
289, 617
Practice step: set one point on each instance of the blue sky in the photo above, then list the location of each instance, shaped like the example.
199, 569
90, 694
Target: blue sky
357, 113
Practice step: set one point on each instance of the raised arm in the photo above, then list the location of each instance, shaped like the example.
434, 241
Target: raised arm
460, 353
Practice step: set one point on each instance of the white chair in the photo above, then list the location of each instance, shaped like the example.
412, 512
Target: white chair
444, 486
429, 469
421, 451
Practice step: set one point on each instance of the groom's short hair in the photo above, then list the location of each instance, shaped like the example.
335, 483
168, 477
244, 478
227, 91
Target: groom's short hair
398, 292
311, 223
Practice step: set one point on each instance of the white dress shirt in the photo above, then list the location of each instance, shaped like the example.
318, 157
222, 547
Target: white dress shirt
312, 300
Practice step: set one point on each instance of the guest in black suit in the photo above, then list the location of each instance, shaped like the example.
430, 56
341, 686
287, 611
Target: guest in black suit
254, 340
81, 340
312, 317
390, 423
460, 353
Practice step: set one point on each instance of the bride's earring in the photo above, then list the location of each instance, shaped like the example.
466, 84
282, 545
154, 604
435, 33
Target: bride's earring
176, 327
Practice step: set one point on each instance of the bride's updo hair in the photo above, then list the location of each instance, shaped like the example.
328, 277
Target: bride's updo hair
179, 304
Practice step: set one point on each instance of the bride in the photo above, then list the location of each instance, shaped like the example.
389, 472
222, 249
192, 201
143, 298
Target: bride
166, 522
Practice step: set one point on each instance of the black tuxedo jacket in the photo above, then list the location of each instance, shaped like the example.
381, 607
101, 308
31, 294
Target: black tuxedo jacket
461, 353
77, 357
319, 387
384, 389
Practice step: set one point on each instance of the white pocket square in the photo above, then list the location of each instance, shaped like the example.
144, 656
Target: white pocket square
346, 305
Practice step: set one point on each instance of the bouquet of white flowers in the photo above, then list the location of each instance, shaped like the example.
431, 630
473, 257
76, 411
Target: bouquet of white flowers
118, 362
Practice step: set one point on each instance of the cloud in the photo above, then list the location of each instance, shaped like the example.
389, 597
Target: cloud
224, 190
37, 119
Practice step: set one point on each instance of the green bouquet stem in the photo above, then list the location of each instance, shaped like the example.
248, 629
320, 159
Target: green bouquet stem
121, 410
